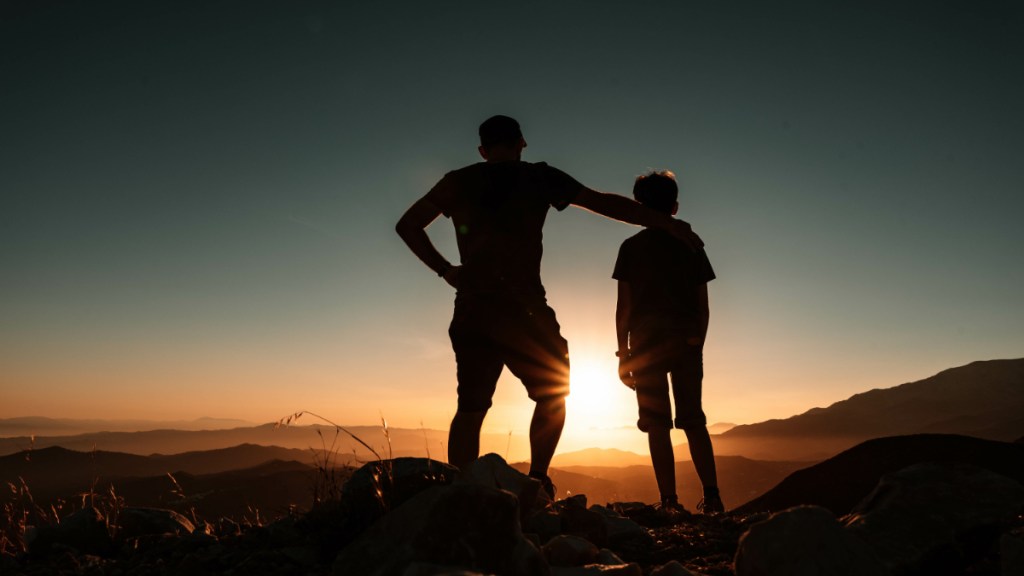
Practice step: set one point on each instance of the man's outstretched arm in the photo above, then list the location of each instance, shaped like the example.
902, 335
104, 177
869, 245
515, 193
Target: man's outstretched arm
625, 210
412, 228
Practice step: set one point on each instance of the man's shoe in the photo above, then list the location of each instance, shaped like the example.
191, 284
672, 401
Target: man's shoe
545, 484
711, 506
670, 507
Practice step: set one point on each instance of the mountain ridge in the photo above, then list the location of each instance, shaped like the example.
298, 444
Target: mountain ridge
983, 399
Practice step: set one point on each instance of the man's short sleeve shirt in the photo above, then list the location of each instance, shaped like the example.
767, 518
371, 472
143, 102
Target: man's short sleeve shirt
498, 210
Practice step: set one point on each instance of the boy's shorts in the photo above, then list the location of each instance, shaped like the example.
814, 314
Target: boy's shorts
685, 364
489, 333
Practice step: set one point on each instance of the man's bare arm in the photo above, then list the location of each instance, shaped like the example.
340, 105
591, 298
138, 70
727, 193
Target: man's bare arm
412, 228
631, 212
622, 306
622, 309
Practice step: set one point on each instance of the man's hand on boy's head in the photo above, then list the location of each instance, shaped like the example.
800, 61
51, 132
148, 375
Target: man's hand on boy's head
682, 230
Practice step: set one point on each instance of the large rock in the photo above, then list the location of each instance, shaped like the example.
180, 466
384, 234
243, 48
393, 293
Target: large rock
546, 524
931, 517
386, 484
579, 521
84, 530
804, 541
135, 522
619, 528
468, 526
492, 470
383, 485
1011, 554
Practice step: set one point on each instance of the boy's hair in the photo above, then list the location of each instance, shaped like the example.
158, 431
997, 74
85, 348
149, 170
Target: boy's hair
499, 130
657, 190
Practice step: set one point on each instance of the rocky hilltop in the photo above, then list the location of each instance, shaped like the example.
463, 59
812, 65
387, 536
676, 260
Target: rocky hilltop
418, 516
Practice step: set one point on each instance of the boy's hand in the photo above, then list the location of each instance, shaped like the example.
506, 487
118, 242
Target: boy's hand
625, 371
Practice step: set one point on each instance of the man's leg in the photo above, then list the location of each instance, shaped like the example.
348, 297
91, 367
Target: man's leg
464, 438
539, 356
545, 431
478, 366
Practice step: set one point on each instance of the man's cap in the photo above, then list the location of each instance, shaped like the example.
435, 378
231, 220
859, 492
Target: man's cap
499, 130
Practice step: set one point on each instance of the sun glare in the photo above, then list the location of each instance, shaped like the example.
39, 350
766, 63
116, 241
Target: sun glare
595, 393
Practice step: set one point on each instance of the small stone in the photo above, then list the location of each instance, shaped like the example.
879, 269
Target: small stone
598, 570
673, 568
608, 558
568, 550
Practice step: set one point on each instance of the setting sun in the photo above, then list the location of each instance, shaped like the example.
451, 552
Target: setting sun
594, 386
597, 398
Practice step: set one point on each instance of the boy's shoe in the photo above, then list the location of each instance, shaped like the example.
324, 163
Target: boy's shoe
711, 506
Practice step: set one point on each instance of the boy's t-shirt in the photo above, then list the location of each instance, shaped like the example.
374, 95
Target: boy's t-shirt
498, 209
664, 275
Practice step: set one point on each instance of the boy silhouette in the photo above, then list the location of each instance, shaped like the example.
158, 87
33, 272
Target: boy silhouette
501, 318
661, 320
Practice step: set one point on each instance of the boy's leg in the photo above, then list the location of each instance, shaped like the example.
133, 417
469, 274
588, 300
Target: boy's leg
687, 379
659, 440
656, 420
703, 455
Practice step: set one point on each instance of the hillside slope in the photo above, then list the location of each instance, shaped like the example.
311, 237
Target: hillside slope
982, 399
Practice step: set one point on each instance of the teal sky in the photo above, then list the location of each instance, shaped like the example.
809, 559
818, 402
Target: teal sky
198, 198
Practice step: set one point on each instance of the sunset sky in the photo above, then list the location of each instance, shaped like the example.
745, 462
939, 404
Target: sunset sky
199, 197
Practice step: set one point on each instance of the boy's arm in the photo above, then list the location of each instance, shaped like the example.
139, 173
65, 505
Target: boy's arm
622, 309
412, 227
703, 315
625, 210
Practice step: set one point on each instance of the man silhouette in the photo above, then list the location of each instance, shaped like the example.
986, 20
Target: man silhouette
501, 318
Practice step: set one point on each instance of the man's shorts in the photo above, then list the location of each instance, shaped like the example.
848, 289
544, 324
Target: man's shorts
658, 356
491, 332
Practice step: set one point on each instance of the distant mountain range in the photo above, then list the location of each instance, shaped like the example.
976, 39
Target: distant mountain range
391, 442
232, 481
55, 472
982, 399
600, 457
42, 426
237, 482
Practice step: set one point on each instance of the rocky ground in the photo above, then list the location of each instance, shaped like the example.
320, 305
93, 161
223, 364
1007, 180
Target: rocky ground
416, 517
706, 545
